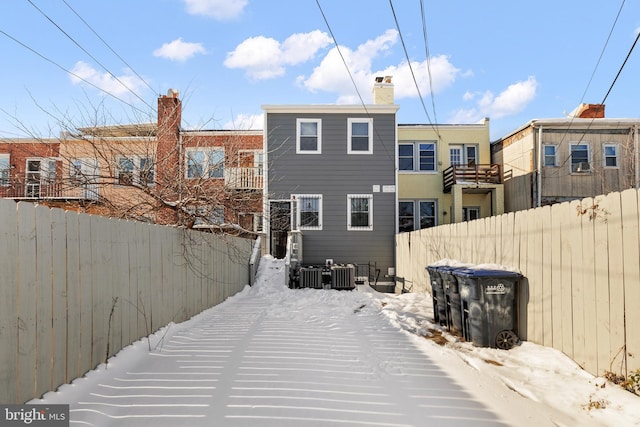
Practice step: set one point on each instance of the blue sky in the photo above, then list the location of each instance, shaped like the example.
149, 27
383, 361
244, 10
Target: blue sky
102, 62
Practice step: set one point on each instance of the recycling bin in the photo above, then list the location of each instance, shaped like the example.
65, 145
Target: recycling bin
488, 306
452, 298
437, 293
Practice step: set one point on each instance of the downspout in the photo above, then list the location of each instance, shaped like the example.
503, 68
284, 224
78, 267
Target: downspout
539, 171
180, 171
636, 156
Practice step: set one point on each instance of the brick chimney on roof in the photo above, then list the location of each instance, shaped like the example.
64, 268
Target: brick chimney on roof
168, 139
589, 111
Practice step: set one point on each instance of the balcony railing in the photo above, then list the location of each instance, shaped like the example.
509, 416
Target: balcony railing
244, 178
48, 190
472, 175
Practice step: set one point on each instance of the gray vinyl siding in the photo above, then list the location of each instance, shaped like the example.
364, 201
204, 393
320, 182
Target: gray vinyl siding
335, 174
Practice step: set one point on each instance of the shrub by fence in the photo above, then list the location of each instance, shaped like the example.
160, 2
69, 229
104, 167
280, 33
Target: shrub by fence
77, 288
581, 262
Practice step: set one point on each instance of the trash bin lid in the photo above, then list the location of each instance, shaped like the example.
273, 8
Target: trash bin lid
481, 273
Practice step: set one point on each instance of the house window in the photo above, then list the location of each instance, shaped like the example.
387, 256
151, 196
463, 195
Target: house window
205, 163
463, 155
359, 138
580, 158
5, 168
309, 212
469, 214
416, 214
424, 152
308, 136
250, 221
550, 155
405, 157
125, 171
131, 170
360, 212
610, 155
206, 216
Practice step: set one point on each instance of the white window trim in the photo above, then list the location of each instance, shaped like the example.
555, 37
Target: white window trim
589, 161
206, 165
415, 145
604, 156
318, 149
350, 121
359, 196
298, 198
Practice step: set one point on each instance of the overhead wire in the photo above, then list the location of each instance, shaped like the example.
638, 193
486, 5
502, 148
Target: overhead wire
108, 46
428, 56
406, 53
413, 75
344, 61
591, 122
68, 71
90, 55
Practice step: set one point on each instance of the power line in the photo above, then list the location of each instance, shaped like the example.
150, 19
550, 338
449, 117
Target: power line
428, 56
68, 71
415, 82
91, 56
351, 76
108, 46
562, 140
621, 67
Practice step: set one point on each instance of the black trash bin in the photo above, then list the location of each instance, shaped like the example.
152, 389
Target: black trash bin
437, 293
451, 298
488, 305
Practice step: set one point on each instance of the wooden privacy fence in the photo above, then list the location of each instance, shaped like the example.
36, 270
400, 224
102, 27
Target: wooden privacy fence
581, 262
77, 288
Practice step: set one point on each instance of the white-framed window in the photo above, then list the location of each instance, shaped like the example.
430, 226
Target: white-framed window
5, 170
464, 154
417, 156
360, 212
204, 163
550, 155
309, 211
580, 158
470, 213
308, 136
416, 214
611, 156
252, 221
360, 139
130, 170
206, 216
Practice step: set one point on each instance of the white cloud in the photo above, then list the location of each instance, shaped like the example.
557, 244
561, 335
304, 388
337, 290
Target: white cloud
265, 58
123, 84
331, 75
217, 9
179, 50
510, 101
246, 122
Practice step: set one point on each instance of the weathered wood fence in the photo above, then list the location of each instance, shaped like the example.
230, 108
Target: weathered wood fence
77, 288
581, 262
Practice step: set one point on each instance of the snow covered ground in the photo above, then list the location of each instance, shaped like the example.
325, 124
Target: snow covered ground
271, 356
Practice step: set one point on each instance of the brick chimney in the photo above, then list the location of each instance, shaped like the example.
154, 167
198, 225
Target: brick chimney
383, 91
168, 151
588, 111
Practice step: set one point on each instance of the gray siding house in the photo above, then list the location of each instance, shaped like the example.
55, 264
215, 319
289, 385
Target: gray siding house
331, 175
